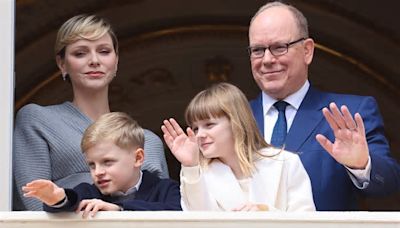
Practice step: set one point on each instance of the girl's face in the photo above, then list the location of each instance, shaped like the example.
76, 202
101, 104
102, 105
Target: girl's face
91, 65
215, 138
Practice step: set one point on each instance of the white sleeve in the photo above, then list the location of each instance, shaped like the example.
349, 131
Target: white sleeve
300, 196
194, 192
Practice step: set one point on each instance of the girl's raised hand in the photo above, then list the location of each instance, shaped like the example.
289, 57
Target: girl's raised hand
182, 145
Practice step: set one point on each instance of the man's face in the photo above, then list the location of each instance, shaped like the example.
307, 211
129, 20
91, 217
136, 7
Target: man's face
279, 76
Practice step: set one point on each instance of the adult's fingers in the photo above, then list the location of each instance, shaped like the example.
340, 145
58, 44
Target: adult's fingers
360, 123
325, 143
337, 115
349, 121
330, 119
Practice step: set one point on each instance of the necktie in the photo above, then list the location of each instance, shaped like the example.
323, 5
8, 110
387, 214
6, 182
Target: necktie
280, 128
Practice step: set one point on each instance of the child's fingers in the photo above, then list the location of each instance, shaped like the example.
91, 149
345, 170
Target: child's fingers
96, 208
27, 189
169, 129
39, 183
176, 127
164, 130
87, 210
240, 208
30, 194
81, 205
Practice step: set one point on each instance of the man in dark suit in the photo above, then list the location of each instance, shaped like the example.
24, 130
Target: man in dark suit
343, 155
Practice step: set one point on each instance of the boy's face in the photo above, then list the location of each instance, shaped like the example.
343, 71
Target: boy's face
113, 168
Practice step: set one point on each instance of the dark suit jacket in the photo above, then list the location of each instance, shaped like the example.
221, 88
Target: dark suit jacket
154, 194
331, 184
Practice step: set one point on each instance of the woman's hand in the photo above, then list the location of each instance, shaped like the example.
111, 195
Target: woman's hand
183, 146
44, 190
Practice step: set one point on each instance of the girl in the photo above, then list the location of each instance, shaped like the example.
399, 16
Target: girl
227, 165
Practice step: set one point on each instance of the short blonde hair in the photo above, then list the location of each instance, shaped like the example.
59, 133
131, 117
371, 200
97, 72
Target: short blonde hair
227, 100
89, 27
116, 127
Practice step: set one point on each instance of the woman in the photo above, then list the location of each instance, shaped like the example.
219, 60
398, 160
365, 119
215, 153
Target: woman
47, 139
227, 165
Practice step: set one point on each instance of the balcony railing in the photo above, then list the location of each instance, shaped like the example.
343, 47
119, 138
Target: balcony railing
164, 219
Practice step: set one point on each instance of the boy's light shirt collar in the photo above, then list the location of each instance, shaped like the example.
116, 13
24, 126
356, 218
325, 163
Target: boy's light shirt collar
293, 100
132, 189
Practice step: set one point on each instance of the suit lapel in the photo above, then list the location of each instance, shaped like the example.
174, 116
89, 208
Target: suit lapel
307, 118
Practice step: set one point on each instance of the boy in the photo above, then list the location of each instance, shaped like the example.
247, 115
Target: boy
113, 148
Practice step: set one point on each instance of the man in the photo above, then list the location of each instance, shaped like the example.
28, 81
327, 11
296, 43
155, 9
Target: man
341, 156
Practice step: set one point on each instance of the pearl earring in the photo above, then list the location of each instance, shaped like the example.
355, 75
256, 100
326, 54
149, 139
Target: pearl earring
64, 76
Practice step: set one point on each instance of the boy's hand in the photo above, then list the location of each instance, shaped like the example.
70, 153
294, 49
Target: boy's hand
44, 190
92, 206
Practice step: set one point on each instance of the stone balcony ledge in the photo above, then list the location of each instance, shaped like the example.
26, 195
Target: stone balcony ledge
175, 219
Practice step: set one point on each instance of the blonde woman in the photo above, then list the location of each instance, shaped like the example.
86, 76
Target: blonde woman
47, 138
227, 165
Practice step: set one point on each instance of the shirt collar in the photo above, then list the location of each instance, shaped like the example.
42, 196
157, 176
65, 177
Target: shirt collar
131, 190
294, 99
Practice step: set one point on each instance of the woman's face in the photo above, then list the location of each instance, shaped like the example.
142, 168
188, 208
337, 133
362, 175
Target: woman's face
91, 65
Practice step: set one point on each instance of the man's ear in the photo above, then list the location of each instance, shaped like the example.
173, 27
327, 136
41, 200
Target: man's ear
308, 50
61, 64
139, 157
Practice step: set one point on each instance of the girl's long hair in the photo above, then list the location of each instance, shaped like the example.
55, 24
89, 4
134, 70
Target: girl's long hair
224, 99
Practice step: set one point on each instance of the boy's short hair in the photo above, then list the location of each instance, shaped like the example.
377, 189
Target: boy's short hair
116, 127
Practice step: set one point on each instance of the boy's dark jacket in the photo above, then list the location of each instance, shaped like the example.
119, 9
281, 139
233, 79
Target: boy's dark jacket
153, 194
